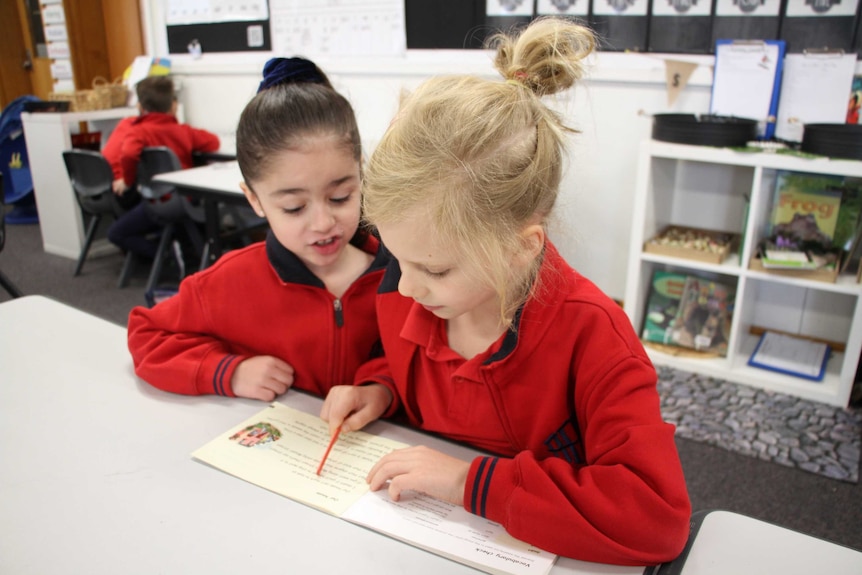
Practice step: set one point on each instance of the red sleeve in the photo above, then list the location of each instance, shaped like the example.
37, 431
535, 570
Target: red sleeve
626, 504
204, 141
171, 352
377, 371
133, 144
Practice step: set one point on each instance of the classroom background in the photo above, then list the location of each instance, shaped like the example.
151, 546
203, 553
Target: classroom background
216, 61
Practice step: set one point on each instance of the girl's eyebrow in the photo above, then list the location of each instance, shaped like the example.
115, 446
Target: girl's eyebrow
333, 184
286, 191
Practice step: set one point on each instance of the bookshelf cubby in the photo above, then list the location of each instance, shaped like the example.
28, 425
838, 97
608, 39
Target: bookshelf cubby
729, 190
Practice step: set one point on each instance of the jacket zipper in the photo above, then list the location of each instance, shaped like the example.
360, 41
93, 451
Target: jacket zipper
336, 373
339, 316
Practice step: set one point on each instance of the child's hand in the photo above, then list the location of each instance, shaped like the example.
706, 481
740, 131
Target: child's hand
354, 407
421, 469
119, 186
261, 377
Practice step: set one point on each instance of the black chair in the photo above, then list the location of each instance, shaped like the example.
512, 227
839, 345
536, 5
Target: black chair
5, 282
177, 213
91, 177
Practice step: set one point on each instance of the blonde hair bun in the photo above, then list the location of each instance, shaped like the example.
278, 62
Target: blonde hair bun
546, 56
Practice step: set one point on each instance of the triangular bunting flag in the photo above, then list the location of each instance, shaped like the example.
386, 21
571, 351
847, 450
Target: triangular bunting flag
676, 77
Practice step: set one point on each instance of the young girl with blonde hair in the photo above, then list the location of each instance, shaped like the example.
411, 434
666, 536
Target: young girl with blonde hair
490, 338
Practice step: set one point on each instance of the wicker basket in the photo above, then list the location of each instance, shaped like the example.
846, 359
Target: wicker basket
83, 100
117, 92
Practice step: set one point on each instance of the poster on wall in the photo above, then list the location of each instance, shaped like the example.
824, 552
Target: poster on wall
509, 7
345, 28
58, 50
562, 7
181, 12
53, 14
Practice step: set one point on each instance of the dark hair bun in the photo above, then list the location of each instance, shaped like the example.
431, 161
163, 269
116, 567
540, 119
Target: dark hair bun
290, 70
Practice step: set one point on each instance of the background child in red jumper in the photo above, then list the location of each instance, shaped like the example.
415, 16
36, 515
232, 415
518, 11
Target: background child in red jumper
156, 125
492, 339
294, 310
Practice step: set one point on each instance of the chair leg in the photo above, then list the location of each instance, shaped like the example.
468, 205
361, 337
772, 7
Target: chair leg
205, 257
159, 260
91, 234
194, 235
128, 268
7, 284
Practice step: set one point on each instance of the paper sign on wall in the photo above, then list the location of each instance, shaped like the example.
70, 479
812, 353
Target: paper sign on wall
815, 89
746, 81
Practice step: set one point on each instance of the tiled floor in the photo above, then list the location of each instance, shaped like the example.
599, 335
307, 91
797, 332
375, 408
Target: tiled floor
771, 426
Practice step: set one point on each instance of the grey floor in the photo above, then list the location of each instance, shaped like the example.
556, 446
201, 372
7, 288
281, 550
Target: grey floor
717, 478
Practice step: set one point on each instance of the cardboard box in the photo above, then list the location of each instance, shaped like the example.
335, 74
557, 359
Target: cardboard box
709, 246
828, 275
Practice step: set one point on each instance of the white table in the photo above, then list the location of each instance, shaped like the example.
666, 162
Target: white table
748, 546
214, 184
96, 474
48, 135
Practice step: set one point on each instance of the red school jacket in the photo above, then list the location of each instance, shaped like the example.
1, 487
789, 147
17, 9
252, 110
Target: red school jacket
259, 300
584, 465
131, 135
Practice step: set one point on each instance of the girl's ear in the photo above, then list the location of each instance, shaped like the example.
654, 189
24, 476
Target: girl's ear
252, 199
533, 237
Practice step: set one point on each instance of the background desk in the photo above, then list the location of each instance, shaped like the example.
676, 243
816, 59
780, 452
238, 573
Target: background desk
47, 136
213, 184
96, 474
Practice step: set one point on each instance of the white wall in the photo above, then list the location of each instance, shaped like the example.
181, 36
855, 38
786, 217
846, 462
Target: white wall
611, 108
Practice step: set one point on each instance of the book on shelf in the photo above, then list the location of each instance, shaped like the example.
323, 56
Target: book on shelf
688, 311
280, 448
704, 315
803, 222
662, 305
791, 355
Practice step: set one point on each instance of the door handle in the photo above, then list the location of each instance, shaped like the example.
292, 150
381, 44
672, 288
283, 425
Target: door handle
27, 64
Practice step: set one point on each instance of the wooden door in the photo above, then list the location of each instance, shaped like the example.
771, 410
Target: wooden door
22, 69
103, 46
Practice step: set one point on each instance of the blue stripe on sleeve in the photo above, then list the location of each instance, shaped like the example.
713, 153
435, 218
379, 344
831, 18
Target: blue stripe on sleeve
487, 485
474, 495
218, 377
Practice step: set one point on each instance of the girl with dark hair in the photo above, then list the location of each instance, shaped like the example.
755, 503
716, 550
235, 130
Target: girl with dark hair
298, 308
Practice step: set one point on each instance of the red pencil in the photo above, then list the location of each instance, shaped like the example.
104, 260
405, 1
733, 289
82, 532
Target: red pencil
328, 449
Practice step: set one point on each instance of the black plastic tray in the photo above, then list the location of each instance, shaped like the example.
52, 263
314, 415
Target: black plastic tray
704, 129
833, 140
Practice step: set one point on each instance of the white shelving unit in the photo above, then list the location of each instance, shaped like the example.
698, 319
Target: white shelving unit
709, 188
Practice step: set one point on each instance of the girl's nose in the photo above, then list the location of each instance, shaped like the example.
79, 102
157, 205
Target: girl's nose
407, 286
322, 218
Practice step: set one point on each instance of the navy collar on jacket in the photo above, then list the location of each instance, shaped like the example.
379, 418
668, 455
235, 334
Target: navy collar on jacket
291, 269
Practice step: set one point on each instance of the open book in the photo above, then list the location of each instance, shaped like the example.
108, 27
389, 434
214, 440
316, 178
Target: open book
279, 449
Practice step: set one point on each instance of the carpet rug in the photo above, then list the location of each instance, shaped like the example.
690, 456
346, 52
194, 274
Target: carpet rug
772, 426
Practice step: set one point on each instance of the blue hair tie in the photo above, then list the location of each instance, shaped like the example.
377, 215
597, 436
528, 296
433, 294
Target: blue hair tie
296, 70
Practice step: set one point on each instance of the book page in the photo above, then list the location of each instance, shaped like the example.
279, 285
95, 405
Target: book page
280, 448
449, 530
